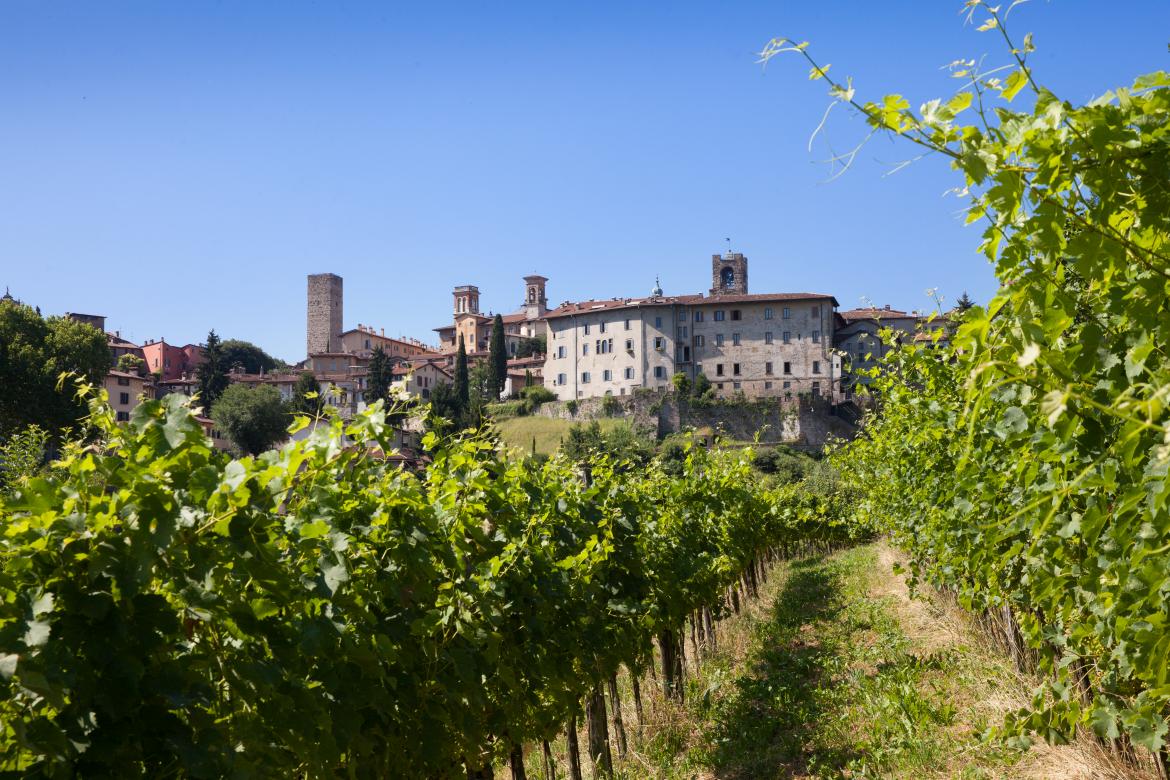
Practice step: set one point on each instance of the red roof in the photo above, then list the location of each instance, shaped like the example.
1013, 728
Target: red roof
874, 313
584, 307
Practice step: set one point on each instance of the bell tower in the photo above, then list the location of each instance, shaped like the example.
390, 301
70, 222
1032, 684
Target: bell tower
729, 274
535, 300
466, 299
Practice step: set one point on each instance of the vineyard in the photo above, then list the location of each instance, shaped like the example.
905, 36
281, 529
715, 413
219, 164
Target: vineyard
316, 610
1025, 468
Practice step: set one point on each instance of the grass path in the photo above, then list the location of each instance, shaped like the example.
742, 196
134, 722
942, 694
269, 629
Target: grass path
836, 672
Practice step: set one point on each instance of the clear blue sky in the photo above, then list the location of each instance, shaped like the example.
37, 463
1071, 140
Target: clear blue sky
183, 165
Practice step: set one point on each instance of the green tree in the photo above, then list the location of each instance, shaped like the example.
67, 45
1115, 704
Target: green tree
379, 377
963, 303
306, 397
445, 404
212, 374
132, 364
246, 355
462, 380
497, 359
682, 384
34, 352
21, 455
254, 418
531, 346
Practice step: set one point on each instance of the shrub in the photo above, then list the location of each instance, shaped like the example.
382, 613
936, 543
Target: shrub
536, 395
611, 406
572, 406
682, 384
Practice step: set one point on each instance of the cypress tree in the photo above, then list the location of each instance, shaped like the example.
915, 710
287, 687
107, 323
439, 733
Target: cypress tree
462, 385
498, 358
378, 376
212, 372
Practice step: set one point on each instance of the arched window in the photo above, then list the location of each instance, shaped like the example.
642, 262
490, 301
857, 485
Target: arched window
727, 277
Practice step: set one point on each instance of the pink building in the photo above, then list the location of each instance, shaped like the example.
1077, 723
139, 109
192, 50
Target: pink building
169, 361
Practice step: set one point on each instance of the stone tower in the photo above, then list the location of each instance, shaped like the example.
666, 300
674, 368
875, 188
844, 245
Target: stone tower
535, 300
324, 314
729, 274
466, 299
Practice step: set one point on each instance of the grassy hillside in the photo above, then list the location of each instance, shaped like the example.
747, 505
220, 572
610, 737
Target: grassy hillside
518, 432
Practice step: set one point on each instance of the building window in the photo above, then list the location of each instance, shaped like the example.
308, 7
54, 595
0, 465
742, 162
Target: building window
786, 337
768, 337
719, 386
367, 343
735, 369
735, 339
719, 339
562, 379
659, 372
768, 369
629, 373
601, 327
787, 385
699, 341
787, 367
629, 345
561, 352
584, 349
718, 369
586, 328
659, 343
719, 315
123, 398
627, 323
816, 337
767, 312
767, 385
606, 375
682, 315
584, 377
736, 315
698, 316
124, 381
123, 416
735, 385
683, 335
786, 313
816, 366
816, 387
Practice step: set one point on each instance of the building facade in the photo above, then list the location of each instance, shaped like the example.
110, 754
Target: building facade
324, 315
125, 392
168, 361
475, 328
769, 345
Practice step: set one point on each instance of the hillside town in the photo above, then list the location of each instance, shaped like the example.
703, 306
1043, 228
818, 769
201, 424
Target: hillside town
784, 346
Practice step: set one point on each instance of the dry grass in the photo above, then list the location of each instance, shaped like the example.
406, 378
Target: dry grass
837, 671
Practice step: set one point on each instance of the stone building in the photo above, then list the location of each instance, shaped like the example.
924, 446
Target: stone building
476, 328
858, 340
773, 344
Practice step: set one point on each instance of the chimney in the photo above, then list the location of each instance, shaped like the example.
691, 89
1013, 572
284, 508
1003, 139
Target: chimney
887, 307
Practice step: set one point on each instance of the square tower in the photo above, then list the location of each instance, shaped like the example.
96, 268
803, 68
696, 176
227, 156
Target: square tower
324, 314
466, 299
729, 274
535, 299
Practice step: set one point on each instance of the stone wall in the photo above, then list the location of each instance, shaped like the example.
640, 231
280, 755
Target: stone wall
803, 422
